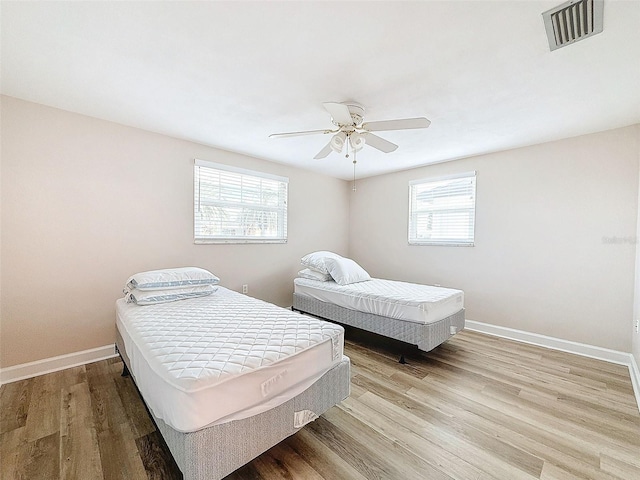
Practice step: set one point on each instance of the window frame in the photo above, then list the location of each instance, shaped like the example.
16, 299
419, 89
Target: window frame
281, 209
411, 223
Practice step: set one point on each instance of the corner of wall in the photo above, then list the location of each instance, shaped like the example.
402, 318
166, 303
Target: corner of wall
634, 372
635, 334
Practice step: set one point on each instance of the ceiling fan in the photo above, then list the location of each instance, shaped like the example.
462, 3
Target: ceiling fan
347, 118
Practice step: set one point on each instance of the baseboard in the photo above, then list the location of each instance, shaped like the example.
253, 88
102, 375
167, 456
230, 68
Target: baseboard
54, 364
591, 351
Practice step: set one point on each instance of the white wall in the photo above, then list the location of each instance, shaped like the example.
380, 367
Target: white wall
540, 263
86, 203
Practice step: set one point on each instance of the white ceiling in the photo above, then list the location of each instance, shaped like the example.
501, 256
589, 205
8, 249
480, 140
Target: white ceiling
227, 74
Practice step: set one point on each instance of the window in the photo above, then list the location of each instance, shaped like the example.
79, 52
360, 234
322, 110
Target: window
233, 205
442, 210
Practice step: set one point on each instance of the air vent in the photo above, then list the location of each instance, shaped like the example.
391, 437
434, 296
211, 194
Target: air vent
573, 21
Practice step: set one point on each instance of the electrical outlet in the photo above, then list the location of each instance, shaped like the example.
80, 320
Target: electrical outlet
245, 288
637, 325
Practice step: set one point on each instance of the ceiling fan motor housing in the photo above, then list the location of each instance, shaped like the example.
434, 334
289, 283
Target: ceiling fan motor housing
357, 112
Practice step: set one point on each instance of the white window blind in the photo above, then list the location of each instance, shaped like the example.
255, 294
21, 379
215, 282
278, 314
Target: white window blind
234, 205
442, 210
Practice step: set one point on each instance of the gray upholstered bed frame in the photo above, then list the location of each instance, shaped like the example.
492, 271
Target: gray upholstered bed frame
214, 452
425, 336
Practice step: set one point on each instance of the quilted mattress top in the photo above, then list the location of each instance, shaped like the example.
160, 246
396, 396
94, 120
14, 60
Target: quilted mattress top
390, 298
194, 344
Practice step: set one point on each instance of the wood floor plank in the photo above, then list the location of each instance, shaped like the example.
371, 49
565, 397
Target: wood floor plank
508, 407
588, 425
573, 452
153, 459
44, 406
539, 442
600, 417
39, 459
294, 465
445, 438
510, 455
121, 456
401, 428
356, 391
612, 381
106, 403
371, 374
619, 468
402, 460
623, 454
11, 444
359, 456
15, 398
73, 376
79, 450
553, 472
494, 417
323, 459
246, 472
268, 467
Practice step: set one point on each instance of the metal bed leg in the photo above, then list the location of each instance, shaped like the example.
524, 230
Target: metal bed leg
402, 360
125, 370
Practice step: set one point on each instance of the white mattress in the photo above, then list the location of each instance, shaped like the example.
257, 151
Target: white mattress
411, 302
223, 357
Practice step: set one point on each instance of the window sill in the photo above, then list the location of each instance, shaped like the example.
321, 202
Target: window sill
236, 241
442, 244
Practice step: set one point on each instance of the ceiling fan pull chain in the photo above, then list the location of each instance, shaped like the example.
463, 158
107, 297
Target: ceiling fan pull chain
354, 170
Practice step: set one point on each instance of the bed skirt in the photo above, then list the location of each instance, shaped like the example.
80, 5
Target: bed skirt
425, 336
214, 452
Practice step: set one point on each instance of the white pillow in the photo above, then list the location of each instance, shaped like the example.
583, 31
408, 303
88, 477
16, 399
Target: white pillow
345, 271
316, 260
169, 278
314, 275
151, 297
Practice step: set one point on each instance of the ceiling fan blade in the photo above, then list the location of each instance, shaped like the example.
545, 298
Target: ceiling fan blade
379, 143
324, 152
296, 134
400, 124
339, 112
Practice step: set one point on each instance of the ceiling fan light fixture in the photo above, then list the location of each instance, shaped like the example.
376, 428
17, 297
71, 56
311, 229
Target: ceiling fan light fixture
337, 141
357, 141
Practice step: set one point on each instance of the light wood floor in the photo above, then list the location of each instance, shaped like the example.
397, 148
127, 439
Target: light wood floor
476, 407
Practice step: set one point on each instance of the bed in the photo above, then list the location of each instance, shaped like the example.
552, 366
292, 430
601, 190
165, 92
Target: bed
226, 376
420, 315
